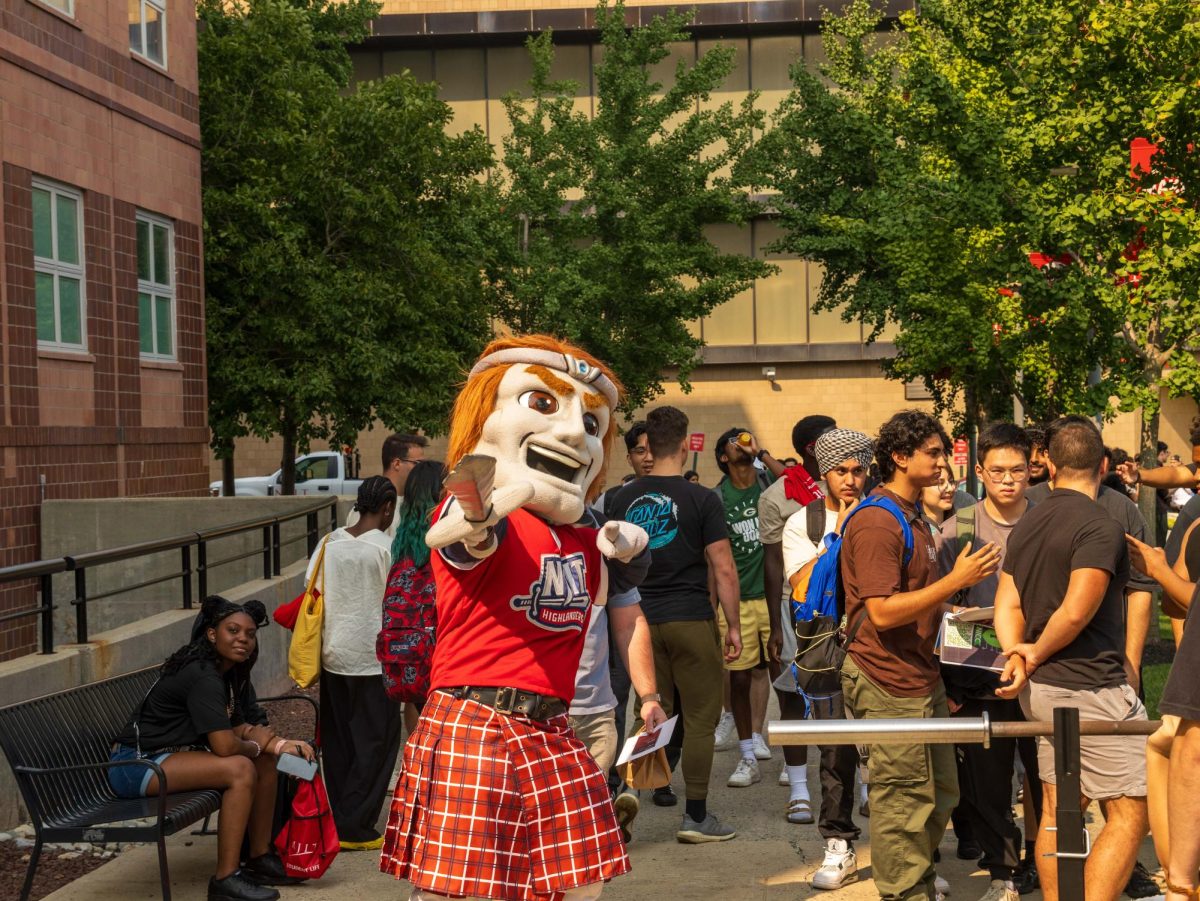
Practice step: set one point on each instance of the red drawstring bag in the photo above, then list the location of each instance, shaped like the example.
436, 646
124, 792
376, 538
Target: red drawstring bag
308, 841
288, 612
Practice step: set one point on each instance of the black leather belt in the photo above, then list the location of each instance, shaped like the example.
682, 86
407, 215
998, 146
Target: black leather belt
511, 701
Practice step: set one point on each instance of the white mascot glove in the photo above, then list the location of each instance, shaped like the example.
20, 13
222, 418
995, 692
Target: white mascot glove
454, 527
619, 540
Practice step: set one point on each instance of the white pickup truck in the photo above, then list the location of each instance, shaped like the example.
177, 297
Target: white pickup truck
321, 472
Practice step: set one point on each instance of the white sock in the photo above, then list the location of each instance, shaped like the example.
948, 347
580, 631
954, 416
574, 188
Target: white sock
862, 794
799, 777
747, 747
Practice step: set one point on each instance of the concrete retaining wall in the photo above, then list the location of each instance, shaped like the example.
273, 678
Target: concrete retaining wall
136, 645
79, 526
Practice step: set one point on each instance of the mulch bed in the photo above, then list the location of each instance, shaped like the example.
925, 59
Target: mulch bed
52, 873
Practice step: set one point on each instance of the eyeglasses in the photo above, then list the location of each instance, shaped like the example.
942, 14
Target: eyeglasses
639, 452
998, 475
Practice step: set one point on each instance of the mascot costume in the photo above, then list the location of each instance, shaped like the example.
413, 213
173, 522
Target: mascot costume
497, 798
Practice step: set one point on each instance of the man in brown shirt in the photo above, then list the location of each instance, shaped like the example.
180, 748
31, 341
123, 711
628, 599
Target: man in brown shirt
894, 605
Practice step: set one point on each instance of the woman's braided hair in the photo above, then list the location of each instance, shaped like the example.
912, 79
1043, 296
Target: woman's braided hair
373, 494
201, 650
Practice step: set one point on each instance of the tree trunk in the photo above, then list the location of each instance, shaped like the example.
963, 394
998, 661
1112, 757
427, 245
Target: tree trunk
287, 431
228, 489
971, 403
1148, 459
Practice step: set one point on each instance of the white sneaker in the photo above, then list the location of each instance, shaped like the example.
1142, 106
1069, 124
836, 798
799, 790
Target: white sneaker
940, 885
746, 773
761, 751
784, 778
999, 890
725, 738
839, 867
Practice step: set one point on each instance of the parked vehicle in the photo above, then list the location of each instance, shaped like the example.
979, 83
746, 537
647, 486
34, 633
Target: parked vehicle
320, 472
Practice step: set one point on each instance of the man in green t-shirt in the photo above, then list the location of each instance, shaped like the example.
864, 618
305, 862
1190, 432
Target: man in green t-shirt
739, 458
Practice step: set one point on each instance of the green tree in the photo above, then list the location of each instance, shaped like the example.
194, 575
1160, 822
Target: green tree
342, 232
931, 162
602, 230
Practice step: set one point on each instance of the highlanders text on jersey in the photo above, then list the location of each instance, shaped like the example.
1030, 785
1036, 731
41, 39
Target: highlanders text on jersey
518, 617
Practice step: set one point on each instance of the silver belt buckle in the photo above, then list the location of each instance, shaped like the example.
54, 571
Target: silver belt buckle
505, 700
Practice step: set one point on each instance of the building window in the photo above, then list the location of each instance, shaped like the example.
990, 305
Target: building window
156, 287
148, 29
58, 266
66, 7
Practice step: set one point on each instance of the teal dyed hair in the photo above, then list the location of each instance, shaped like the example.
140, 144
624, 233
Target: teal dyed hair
422, 491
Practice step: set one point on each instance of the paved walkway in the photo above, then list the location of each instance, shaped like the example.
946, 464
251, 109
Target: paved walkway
770, 859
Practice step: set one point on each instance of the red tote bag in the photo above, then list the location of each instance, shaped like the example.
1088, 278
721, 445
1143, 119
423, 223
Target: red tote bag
308, 841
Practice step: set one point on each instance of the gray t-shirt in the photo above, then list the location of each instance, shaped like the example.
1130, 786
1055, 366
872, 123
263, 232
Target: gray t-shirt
593, 687
987, 531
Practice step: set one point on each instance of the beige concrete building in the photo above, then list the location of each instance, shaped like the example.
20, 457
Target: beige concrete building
474, 50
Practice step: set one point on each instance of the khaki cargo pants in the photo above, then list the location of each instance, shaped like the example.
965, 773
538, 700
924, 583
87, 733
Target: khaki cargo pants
913, 789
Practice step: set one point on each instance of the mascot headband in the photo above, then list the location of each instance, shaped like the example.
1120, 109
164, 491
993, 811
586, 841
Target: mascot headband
580, 370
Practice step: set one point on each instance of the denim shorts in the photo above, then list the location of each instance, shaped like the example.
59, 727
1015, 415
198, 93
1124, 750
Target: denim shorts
131, 781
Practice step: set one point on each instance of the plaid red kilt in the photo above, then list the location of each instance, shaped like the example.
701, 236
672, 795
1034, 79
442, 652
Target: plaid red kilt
496, 806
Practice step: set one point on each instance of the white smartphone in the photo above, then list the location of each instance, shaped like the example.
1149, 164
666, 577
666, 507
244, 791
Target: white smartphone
295, 765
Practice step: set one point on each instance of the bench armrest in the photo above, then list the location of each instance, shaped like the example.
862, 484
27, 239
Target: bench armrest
37, 771
297, 697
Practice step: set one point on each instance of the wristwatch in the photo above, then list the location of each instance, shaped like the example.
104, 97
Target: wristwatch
655, 697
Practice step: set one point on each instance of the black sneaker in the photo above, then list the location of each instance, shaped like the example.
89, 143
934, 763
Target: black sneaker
1140, 884
665, 797
968, 849
1025, 877
235, 887
268, 870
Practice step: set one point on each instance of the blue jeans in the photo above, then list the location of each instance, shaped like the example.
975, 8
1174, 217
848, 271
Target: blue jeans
131, 781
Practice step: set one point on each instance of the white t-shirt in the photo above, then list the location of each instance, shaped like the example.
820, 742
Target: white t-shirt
798, 549
354, 578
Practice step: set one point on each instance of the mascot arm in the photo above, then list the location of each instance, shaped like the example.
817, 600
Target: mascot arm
478, 537
624, 547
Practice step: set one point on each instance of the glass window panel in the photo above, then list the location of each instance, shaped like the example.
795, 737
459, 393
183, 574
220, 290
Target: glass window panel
462, 80
162, 255
155, 22
771, 57
70, 317
733, 321
781, 300
143, 250
68, 228
162, 325
135, 26
146, 323
43, 234
66, 6
508, 70
827, 327
46, 330
418, 62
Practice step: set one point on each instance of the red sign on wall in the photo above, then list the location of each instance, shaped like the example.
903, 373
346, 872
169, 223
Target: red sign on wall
696, 441
960, 452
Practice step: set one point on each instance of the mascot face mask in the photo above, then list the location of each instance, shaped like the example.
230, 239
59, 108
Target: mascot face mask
547, 429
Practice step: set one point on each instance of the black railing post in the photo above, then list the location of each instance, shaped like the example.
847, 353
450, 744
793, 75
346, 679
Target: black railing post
310, 524
333, 515
186, 551
202, 568
276, 555
1071, 841
81, 623
47, 592
266, 532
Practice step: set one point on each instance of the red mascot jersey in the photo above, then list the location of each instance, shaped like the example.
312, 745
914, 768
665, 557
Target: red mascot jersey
517, 618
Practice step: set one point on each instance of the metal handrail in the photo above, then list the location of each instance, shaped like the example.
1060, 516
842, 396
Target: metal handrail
43, 570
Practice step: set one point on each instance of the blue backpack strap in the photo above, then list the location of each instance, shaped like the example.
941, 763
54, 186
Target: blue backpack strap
879, 500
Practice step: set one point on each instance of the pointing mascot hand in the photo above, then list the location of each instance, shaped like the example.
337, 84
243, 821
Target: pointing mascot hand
479, 507
621, 541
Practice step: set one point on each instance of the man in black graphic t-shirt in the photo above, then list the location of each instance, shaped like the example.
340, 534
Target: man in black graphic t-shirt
686, 525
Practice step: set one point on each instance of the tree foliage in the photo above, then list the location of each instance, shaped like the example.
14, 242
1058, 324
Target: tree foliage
602, 230
929, 163
342, 231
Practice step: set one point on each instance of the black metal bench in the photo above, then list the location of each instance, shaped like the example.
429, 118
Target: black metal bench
59, 746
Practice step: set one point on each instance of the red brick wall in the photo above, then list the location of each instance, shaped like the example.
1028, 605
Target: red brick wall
80, 109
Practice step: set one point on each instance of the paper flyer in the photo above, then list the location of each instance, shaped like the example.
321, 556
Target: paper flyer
647, 742
968, 639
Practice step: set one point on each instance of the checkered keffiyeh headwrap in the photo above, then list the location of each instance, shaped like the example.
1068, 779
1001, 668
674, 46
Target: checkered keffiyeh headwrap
838, 445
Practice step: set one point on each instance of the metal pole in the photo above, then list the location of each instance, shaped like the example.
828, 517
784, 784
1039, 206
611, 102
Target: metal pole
966, 730
1071, 834
47, 592
81, 623
266, 552
202, 567
187, 576
310, 523
275, 549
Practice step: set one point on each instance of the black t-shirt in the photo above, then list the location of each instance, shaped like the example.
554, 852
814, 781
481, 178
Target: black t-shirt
1188, 514
1065, 532
682, 520
182, 708
1181, 697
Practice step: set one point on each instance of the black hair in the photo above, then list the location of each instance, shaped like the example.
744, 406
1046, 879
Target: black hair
903, 434
1194, 435
397, 446
1037, 437
373, 494
634, 435
1162, 447
719, 448
213, 611
1117, 456
666, 427
1004, 434
1074, 444
808, 430
690, 474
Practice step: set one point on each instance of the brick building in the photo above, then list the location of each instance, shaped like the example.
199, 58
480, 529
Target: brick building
474, 50
101, 301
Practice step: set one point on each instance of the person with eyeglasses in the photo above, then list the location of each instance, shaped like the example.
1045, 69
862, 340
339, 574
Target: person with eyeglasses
984, 822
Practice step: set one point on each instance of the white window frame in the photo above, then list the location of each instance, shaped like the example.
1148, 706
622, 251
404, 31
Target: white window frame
153, 288
67, 8
161, 7
56, 268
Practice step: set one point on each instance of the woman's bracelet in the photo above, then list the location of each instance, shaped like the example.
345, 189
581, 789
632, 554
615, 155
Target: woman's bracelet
257, 748
279, 743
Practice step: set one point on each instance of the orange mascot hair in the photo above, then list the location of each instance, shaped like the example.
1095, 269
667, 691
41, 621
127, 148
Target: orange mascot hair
477, 400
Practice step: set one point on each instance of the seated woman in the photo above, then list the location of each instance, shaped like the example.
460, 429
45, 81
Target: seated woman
202, 724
